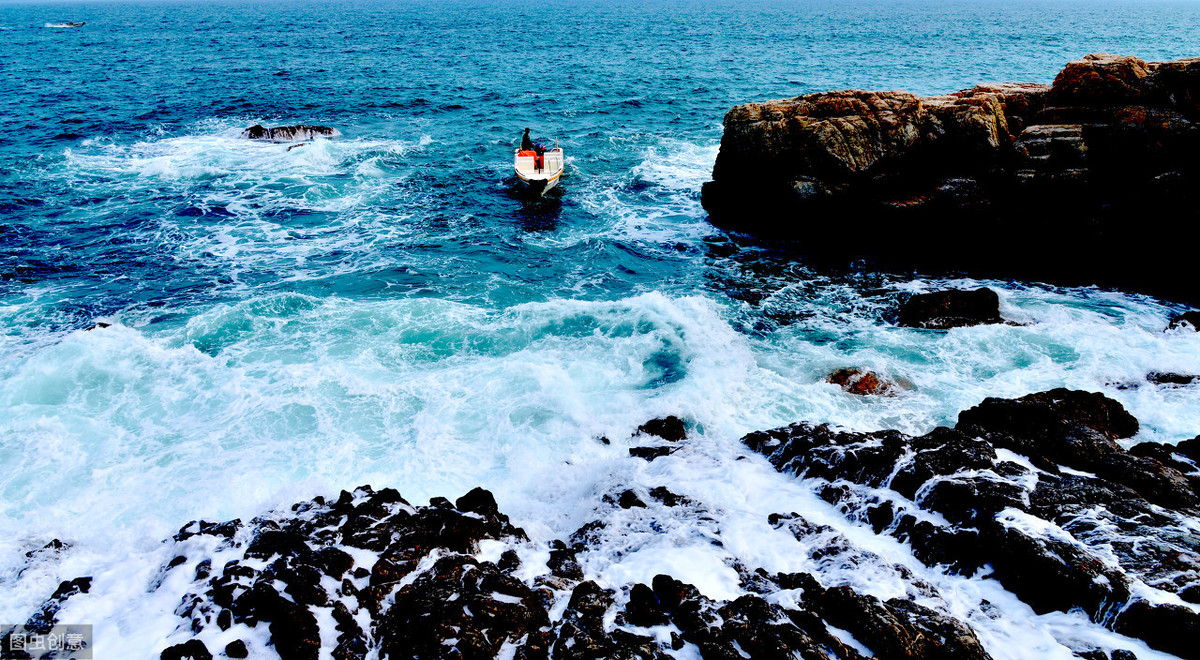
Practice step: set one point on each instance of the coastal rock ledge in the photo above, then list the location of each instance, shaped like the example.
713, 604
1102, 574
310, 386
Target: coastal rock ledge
1054, 182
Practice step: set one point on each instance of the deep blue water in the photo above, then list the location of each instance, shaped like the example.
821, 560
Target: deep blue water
384, 308
616, 82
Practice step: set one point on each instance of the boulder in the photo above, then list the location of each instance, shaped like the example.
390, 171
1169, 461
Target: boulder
295, 133
862, 383
950, 309
1015, 180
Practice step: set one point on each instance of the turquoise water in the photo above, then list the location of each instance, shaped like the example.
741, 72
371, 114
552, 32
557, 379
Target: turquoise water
384, 308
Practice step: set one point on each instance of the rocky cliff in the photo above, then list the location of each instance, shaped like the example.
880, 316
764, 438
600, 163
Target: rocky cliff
1086, 181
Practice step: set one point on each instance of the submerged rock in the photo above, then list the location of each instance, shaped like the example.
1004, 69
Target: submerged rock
295, 133
1023, 180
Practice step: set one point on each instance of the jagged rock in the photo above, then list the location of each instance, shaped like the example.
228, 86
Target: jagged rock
459, 606
1185, 320
1170, 379
1170, 628
1077, 429
897, 628
195, 528
289, 133
651, 453
562, 562
666, 497
478, 500
1060, 175
45, 618
193, 649
671, 428
629, 500
994, 509
950, 309
862, 383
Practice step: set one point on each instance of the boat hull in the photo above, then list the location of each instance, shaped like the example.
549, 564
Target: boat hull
536, 180
538, 185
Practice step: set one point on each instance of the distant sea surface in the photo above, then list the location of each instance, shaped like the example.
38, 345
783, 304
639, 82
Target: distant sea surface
385, 308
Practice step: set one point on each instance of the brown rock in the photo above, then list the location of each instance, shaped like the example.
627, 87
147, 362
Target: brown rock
862, 383
1061, 178
1102, 79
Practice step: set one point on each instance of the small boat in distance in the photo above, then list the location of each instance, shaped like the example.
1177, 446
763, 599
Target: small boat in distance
66, 24
539, 171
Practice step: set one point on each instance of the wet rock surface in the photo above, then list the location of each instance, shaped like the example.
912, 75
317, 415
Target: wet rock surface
295, 133
1035, 493
942, 310
862, 383
1059, 174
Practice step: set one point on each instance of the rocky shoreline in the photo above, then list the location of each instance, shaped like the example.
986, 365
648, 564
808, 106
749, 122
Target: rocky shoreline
1035, 493
1082, 182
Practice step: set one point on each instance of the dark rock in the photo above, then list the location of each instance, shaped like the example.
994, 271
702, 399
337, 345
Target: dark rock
1164, 378
1077, 429
270, 543
1190, 448
333, 562
950, 309
44, 619
630, 499
451, 609
478, 501
195, 528
289, 133
294, 631
651, 453
236, 649
982, 501
509, 561
643, 608
666, 497
1169, 628
669, 428
562, 563
898, 628
193, 649
1189, 320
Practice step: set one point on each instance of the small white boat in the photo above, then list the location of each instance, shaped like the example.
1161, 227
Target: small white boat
539, 179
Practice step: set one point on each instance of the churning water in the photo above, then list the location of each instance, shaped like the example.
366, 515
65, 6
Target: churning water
383, 308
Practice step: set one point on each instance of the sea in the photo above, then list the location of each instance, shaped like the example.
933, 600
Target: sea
197, 326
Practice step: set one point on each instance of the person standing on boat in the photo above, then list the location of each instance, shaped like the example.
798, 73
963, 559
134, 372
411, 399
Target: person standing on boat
526, 142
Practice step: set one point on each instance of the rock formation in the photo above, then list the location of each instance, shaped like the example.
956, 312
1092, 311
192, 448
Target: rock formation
1036, 493
1060, 182
1035, 488
289, 133
943, 310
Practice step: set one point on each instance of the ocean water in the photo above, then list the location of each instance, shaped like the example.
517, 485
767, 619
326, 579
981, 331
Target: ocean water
384, 308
